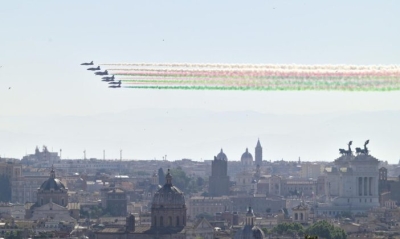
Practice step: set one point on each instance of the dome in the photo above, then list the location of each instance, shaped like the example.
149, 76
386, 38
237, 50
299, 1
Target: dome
52, 183
246, 155
169, 195
249, 232
222, 156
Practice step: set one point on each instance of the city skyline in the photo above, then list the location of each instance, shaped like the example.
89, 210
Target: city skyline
296, 132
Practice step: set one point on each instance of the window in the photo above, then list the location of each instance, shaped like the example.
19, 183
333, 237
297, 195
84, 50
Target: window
161, 221
177, 221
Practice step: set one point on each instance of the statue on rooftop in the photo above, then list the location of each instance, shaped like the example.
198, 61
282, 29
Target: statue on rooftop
364, 151
346, 152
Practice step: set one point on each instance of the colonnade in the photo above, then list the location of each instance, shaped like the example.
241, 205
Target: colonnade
365, 187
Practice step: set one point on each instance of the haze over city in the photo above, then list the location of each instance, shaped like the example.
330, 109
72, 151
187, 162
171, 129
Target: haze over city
47, 98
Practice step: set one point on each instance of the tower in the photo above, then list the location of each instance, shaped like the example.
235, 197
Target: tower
258, 154
154, 178
219, 179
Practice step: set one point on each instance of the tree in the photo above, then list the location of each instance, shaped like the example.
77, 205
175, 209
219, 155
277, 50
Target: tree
180, 179
326, 230
200, 181
161, 176
289, 228
205, 194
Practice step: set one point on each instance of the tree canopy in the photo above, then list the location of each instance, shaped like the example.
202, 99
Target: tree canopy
161, 176
322, 229
289, 228
182, 181
326, 230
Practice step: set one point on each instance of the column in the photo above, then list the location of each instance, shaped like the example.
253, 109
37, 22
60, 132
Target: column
365, 186
370, 186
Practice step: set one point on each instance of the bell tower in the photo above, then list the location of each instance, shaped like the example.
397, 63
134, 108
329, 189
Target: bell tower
258, 153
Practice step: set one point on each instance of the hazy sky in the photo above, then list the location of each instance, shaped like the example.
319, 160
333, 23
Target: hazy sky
42, 44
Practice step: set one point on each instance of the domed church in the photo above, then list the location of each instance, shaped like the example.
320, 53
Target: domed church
249, 230
52, 190
168, 210
247, 158
52, 203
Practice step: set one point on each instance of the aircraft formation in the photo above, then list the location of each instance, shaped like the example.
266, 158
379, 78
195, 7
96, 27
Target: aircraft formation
97, 71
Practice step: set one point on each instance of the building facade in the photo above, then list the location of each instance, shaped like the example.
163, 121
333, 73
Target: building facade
351, 184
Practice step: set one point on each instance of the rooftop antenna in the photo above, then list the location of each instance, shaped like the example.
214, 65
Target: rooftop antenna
60, 153
84, 154
104, 154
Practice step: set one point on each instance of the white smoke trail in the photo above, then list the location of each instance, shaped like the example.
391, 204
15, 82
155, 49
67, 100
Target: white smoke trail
263, 66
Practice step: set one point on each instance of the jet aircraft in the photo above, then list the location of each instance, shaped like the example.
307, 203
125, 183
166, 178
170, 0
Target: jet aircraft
94, 68
101, 73
108, 78
115, 86
114, 82
87, 64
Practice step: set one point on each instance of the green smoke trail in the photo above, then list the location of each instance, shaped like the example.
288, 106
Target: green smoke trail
277, 88
285, 83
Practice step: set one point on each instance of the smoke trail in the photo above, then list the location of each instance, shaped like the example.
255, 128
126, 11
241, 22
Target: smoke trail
257, 76
281, 88
271, 66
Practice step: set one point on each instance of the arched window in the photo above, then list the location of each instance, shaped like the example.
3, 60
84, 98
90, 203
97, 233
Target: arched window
62, 201
155, 221
296, 216
161, 221
177, 221
301, 216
